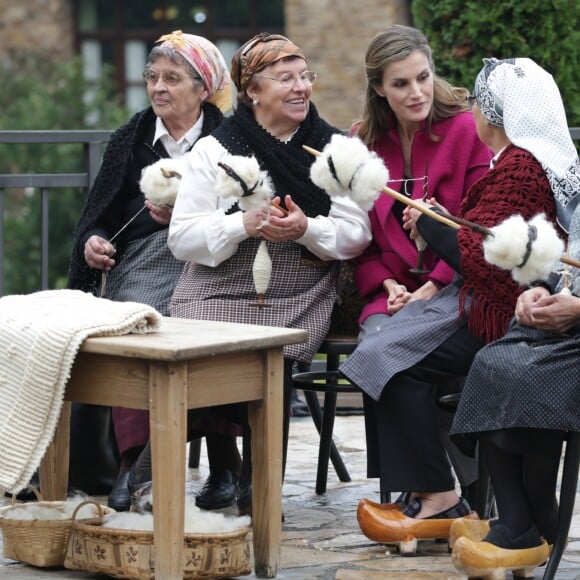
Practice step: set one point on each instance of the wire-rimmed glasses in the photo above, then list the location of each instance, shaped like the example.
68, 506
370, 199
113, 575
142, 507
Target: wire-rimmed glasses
170, 78
288, 80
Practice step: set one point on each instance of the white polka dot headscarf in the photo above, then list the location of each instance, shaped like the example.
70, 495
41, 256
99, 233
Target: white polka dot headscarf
520, 96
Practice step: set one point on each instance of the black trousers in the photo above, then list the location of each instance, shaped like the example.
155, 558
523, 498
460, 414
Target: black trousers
403, 428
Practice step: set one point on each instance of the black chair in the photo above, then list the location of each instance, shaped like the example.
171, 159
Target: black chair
323, 376
567, 499
484, 500
329, 382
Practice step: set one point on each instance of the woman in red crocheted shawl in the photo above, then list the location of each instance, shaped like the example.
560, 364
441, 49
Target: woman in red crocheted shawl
520, 116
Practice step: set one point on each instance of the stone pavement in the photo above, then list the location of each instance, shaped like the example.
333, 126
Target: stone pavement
321, 538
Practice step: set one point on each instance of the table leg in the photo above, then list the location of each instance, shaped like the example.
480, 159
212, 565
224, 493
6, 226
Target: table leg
53, 472
265, 418
168, 424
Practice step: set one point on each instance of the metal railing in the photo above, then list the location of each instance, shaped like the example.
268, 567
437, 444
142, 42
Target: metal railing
91, 142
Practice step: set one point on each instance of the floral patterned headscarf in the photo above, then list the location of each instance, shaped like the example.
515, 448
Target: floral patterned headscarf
520, 96
207, 61
259, 52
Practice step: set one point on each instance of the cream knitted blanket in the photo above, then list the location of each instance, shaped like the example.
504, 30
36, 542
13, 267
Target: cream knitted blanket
40, 335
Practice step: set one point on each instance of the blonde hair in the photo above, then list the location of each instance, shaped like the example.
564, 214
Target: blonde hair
395, 43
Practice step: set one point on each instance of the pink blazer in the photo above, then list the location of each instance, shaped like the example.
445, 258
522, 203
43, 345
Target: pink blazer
453, 164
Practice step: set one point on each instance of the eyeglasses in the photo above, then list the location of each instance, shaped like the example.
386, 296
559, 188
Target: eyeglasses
470, 101
289, 80
170, 78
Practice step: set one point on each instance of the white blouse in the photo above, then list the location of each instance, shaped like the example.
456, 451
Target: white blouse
201, 232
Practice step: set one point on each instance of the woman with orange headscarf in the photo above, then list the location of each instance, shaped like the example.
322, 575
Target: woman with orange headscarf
306, 236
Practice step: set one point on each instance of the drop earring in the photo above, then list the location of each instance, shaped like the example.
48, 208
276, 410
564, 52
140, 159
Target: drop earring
255, 101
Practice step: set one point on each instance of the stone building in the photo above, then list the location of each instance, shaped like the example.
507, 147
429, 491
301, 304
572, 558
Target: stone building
333, 34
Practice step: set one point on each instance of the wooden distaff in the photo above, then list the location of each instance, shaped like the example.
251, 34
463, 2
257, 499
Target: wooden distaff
403, 198
447, 219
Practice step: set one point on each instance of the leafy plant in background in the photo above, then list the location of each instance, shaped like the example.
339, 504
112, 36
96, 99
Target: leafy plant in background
462, 32
53, 97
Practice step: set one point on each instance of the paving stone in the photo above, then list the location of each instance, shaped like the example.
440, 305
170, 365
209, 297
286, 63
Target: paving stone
321, 539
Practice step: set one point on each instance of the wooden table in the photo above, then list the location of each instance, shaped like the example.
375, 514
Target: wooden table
187, 364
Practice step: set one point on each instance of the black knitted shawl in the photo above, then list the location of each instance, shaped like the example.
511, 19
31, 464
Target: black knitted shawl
288, 164
109, 183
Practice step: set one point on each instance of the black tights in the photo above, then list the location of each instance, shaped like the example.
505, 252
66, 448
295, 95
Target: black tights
524, 484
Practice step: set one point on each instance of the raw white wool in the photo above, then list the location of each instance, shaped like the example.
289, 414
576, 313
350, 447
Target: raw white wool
507, 247
62, 511
546, 252
158, 188
346, 167
247, 169
262, 268
196, 521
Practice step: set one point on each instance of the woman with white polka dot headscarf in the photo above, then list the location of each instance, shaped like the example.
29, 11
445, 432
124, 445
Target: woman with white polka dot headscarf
520, 96
522, 394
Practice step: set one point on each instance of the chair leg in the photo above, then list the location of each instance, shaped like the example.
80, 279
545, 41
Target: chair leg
484, 495
330, 450
194, 453
567, 499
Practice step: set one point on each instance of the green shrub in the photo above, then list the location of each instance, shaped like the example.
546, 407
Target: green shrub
462, 32
52, 97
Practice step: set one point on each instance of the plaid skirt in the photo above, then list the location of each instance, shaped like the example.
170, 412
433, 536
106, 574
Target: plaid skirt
147, 273
301, 293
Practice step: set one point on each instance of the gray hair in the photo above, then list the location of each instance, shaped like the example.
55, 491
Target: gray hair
175, 57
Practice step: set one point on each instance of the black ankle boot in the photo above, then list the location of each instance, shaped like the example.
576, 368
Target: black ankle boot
140, 481
26, 494
120, 498
219, 491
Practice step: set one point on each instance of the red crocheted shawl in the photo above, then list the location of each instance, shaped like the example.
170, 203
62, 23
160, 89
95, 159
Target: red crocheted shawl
516, 184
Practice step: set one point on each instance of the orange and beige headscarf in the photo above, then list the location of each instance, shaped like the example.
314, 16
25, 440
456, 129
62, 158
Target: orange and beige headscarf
207, 61
258, 53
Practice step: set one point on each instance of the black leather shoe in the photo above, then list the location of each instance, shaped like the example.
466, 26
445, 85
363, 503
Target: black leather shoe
120, 498
219, 491
139, 482
26, 494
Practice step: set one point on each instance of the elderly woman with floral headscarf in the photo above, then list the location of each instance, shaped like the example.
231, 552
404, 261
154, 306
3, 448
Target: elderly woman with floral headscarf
188, 84
519, 115
522, 394
306, 234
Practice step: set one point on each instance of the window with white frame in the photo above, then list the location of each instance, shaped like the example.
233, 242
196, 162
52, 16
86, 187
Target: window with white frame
120, 33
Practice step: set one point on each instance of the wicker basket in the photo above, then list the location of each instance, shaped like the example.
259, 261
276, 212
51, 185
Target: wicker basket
130, 553
38, 542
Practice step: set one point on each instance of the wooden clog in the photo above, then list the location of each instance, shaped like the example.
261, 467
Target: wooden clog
470, 528
490, 562
391, 526
382, 506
